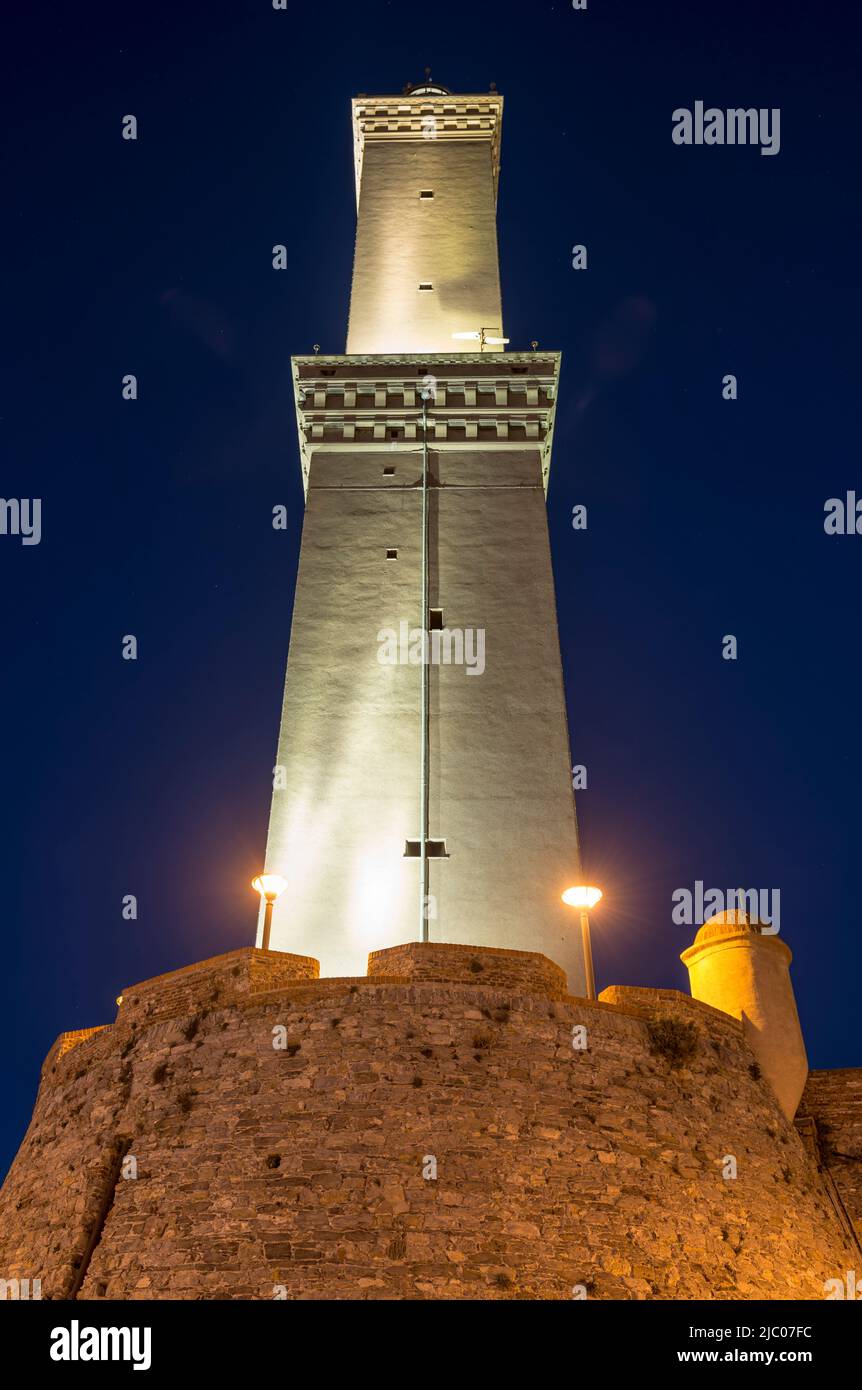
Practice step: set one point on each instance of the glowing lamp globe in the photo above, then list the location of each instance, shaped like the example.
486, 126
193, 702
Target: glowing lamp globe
270, 886
582, 896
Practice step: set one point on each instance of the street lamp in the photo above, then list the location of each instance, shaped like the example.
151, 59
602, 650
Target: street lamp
584, 897
270, 886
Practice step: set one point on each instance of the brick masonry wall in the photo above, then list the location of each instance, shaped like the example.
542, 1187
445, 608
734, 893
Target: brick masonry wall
301, 1169
519, 970
833, 1100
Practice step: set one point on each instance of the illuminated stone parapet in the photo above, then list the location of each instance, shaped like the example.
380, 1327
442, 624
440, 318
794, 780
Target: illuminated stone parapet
412, 1135
426, 960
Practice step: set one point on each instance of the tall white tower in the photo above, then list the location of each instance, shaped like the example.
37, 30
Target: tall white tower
425, 799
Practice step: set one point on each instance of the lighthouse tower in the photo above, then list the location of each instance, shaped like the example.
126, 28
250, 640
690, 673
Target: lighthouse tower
422, 786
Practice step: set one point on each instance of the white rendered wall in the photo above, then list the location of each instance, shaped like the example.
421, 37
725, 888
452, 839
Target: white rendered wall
449, 241
500, 767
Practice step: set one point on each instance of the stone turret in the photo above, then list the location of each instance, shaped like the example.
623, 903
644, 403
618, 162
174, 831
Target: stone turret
735, 966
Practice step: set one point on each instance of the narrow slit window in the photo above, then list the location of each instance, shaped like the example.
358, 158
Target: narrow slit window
434, 849
435, 620
426, 193
426, 285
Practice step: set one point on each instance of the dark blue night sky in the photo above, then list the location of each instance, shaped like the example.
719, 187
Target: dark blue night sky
705, 516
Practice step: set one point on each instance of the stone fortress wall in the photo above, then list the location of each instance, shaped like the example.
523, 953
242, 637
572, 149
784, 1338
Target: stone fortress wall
307, 1171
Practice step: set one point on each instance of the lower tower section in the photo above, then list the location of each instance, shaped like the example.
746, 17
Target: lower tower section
465, 440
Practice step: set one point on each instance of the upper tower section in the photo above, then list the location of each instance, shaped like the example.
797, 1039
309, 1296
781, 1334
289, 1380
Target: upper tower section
425, 266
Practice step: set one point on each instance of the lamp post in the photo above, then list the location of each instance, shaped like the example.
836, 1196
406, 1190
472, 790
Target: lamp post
584, 897
270, 887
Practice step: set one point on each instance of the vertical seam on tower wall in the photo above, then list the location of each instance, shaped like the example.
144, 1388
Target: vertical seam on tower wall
121, 1148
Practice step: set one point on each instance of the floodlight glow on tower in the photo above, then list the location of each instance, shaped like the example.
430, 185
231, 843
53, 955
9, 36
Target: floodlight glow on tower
413, 802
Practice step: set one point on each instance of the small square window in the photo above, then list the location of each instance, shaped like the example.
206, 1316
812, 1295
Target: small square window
392, 554
426, 193
388, 472
435, 620
434, 849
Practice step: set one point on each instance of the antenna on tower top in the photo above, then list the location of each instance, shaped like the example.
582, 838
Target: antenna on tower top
427, 74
